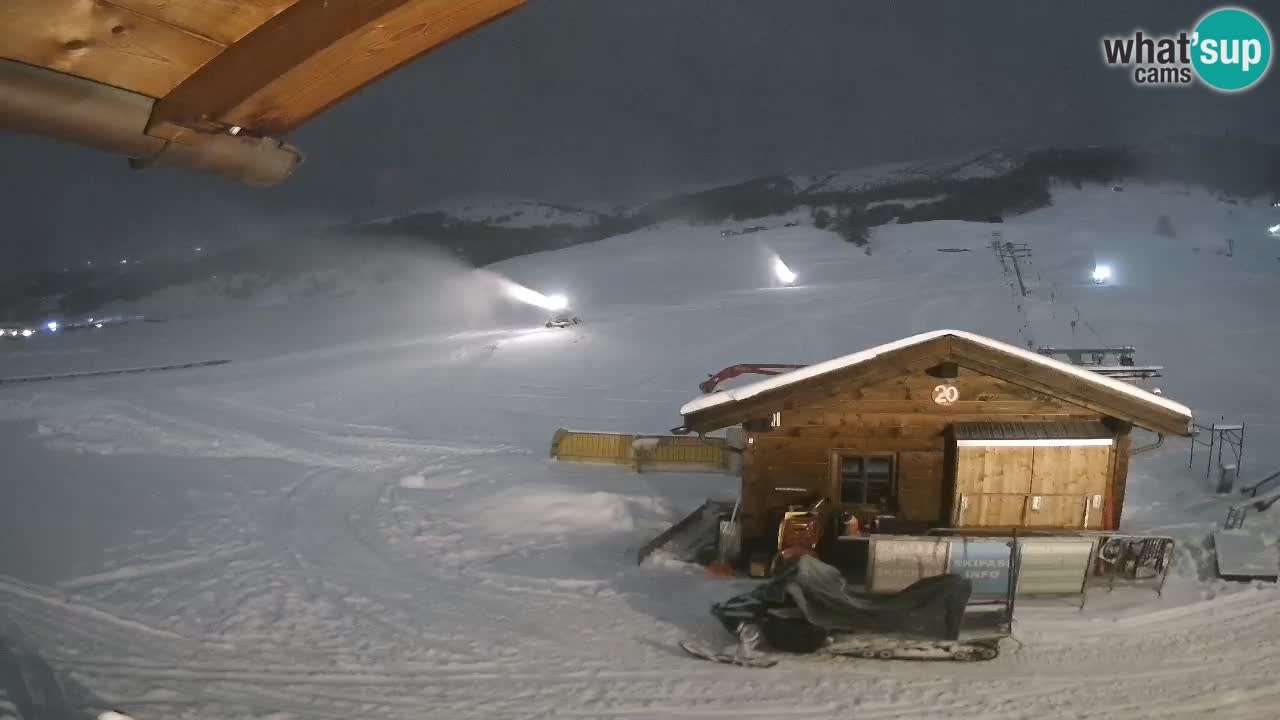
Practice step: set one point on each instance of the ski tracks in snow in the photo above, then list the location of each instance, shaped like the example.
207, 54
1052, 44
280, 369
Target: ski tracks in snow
1138, 667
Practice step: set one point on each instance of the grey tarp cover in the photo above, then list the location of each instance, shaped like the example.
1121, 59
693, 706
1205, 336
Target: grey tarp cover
931, 608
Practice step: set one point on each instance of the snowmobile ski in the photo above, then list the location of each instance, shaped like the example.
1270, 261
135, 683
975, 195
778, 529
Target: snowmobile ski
703, 652
898, 649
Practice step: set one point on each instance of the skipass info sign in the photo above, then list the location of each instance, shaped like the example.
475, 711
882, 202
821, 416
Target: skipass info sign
1227, 50
1046, 566
985, 563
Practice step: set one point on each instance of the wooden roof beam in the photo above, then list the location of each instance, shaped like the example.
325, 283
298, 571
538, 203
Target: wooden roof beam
309, 56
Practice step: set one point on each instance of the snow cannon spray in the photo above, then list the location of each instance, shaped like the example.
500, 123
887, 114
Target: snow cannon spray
529, 296
782, 272
557, 304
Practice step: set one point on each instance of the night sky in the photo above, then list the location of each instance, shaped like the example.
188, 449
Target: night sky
604, 100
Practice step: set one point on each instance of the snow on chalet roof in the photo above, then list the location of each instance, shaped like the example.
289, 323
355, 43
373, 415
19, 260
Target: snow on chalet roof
752, 389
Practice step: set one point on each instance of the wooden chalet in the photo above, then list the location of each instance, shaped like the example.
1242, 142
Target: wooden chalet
943, 429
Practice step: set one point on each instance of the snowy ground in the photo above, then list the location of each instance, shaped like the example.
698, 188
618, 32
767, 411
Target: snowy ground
357, 516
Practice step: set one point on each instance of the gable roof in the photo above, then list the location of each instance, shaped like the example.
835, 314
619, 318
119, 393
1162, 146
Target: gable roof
1105, 395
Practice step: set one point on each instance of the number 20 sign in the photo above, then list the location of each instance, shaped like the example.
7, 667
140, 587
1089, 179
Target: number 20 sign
946, 394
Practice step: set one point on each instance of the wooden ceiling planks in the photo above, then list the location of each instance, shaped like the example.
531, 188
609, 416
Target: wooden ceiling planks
223, 21
103, 42
311, 55
265, 65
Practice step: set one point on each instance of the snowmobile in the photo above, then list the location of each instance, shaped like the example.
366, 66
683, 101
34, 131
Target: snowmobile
809, 608
563, 319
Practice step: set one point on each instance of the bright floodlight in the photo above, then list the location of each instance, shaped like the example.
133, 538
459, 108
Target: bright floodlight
1101, 274
1274, 230
97, 325
52, 325
784, 274
28, 332
557, 302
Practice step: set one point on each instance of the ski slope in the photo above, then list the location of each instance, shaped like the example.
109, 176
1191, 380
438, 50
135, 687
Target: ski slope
507, 211
356, 517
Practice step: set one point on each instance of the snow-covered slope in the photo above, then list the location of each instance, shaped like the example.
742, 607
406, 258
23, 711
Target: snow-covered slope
357, 516
988, 163
507, 211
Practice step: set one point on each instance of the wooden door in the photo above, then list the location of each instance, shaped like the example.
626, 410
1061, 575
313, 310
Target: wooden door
989, 510
1094, 519
992, 484
1001, 470
1055, 511
1081, 470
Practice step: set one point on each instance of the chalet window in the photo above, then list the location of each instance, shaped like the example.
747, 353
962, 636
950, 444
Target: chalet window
867, 480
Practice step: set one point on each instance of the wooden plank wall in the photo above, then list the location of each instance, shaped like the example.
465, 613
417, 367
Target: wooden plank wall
895, 416
921, 477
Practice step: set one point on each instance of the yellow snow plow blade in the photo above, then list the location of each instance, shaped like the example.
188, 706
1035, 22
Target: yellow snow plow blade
643, 452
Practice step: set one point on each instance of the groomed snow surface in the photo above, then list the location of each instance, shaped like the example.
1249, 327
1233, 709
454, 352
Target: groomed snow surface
357, 516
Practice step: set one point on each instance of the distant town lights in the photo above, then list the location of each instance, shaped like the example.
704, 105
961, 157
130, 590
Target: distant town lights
1274, 230
27, 332
52, 325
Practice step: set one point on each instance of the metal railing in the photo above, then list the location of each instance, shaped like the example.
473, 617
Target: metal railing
1263, 484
